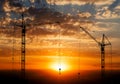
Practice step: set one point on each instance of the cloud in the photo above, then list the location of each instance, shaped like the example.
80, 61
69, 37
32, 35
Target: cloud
9, 6
69, 25
103, 2
65, 2
84, 15
88, 7
104, 12
80, 2
32, 1
40, 27
114, 4
117, 7
15, 3
1, 5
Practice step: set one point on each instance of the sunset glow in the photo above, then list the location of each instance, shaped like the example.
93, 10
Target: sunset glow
60, 41
62, 66
55, 36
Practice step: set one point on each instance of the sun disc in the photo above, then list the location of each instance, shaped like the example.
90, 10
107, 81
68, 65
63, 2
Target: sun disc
61, 67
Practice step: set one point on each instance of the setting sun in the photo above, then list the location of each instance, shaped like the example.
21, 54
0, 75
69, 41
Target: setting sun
60, 66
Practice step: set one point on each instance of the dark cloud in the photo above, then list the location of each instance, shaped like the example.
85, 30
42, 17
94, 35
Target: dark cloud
88, 7
114, 4
1, 4
15, 3
40, 3
1, 7
48, 16
75, 9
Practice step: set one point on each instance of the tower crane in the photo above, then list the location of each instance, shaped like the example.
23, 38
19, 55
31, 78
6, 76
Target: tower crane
102, 45
23, 45
23, 42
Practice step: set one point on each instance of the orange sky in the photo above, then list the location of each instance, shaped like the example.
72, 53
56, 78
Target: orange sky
48, 45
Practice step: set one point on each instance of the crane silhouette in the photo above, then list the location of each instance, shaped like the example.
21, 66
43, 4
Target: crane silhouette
102, 45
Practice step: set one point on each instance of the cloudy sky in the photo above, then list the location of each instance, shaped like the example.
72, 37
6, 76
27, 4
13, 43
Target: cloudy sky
53, 30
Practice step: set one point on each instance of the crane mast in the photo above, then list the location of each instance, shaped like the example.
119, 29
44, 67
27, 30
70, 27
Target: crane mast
23, 47
23, 43
102, 45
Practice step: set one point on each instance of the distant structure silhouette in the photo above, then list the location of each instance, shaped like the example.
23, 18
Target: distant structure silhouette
102, 44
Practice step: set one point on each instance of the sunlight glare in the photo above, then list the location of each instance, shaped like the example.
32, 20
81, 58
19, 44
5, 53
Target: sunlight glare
57, 67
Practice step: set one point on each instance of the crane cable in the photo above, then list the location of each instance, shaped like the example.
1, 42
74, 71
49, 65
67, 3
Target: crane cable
59, 53
13, 59
79, 57
111, 58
